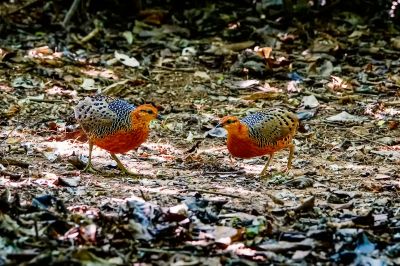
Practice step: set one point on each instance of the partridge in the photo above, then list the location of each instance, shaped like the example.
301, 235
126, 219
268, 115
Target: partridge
261, 133
114, 125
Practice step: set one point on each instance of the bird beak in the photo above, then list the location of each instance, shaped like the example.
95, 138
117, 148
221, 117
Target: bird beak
159, 117
219, 125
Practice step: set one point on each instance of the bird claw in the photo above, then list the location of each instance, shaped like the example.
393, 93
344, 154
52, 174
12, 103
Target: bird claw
265, 175
285, 170
90, 169
127, 172
269, 172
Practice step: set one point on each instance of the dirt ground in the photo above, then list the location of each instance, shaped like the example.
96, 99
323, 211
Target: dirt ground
345, 168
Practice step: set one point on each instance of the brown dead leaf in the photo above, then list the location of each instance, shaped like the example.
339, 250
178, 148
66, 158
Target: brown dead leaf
226, 235
6, 88
349, 99
373, 186
263, 95
43, 50
392, 125
13, 140
325, 44
368, 68
285, 246
264, 52
153, 16
337, 83
13, 110
307, 205
88, 232
239, 45
276, 200
3, 54
395, 42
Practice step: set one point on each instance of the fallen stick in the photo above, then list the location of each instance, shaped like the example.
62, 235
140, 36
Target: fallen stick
211, 192
8, 161
70, 12
12, 175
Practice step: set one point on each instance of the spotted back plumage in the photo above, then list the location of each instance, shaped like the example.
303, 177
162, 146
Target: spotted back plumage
271, 127
100, 115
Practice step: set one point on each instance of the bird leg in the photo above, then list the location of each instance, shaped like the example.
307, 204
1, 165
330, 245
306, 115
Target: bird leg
291, 153
89, 167
263, 172
121, 166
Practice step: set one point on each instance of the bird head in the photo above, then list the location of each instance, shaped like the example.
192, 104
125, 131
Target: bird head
146, 113
230, 123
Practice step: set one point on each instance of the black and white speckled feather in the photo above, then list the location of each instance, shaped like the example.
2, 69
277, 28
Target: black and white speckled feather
100, 115
269, 127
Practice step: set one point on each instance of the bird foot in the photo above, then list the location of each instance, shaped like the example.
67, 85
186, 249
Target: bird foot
90, 169
269, 172
128, 172
285, 170
265, 175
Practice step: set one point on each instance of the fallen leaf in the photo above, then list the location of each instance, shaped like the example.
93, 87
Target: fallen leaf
326, 69
309, 102
88, 84
189, 51
239, 45
202, 75
285, 246
345, 117
391, 155
264, 52
263, 95
69, 181
226, 235
126, 60
128, 36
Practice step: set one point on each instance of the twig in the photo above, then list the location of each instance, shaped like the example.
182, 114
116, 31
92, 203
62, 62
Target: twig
45, 100
19, 8
93, 33
143, 195
153, 250
12, 175
321, 97
70, 12
8, 135
90, 35
275, 199
211, 192
36, 230
6, 161
367, 139
190, 70
394, 103
225, 173
336, 180
194, 147
235, 209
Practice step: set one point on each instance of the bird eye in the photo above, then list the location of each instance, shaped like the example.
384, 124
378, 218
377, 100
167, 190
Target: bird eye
148, 111
229, 121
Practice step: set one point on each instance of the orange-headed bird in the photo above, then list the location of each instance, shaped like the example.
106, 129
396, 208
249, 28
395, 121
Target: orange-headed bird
260, 134
114, 125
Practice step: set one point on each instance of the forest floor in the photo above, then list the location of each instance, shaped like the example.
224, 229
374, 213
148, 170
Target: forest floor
191, 204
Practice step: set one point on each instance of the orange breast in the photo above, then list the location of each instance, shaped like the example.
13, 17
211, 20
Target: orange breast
121, 142
244, 147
